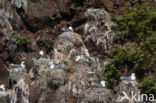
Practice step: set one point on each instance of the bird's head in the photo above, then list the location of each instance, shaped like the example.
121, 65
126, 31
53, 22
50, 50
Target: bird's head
70, 28
87, 25
78, 57
103, 82
41, 53
2, 85
133, 74
23, 63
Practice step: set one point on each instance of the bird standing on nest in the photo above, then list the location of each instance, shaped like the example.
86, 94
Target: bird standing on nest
101, 84
56, 65
69, 29
2, 87
22, 65
132, 77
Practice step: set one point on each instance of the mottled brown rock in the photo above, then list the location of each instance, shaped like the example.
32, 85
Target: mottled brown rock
35, 93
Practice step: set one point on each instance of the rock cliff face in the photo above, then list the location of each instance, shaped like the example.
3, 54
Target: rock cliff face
99, 29
41, 22
73, 83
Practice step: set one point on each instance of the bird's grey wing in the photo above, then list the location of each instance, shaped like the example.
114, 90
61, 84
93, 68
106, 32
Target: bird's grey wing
57, 66
15, 65
125, 78
79, 60
83, 60
68, 30
96, 85
62, 66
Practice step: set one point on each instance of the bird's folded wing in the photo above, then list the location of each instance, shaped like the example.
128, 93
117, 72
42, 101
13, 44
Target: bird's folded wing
125, 78
96, 85
15, 65
59, 66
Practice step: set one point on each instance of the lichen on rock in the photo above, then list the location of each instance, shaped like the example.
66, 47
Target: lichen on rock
99, 30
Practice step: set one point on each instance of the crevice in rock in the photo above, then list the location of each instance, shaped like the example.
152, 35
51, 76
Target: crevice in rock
19, 10
79, 2
68, 17
11, 83
79, 22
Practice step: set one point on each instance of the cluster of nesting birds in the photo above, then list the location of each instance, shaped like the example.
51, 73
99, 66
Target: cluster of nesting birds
69, 29
79, 58
103, 83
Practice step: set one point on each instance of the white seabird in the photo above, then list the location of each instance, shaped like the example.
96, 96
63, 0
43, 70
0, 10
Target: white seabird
101, 84
41, 53
91, 72
81, 59
86, 27
69, 29
132, 77
2, 87
22, 65
56, 66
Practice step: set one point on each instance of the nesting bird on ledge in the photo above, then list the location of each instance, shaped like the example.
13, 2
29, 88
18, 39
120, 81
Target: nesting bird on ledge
69, 29
22, 65
41, 53
56, 65
132, 77
81, 59
2, 87
101, 84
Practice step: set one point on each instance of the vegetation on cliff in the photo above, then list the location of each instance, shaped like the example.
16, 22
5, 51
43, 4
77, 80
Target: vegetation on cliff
136, 44
22, 40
